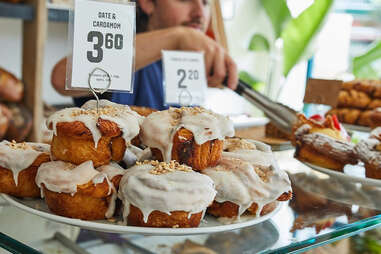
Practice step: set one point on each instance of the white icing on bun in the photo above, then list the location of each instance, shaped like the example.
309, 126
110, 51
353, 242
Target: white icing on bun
165, 187
126, 119
19, 156
159, 127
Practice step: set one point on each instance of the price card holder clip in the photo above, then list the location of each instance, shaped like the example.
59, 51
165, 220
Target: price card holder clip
99, 90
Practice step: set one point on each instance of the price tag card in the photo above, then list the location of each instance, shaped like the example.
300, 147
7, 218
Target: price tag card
184, 77
323, 91
103, 40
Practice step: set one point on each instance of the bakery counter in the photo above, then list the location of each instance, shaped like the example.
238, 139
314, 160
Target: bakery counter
325, 208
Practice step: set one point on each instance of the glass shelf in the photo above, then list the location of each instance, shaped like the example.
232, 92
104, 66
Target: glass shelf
324, 209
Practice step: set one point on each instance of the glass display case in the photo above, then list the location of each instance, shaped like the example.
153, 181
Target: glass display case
325, 208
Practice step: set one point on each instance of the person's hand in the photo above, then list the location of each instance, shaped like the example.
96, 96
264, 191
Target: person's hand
219, 65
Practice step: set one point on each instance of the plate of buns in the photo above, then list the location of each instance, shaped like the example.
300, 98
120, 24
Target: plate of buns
172, 172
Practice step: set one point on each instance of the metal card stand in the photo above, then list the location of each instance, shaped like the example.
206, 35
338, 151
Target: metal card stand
99, 90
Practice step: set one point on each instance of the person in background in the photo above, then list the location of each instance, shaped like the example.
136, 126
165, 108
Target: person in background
164, 25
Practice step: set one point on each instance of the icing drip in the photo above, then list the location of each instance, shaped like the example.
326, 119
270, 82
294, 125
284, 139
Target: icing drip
111, 170
170, 191
366, 151
159, 127
246, 176
337, 149
134, 154
376, 133
126, 119
64, 177
19, 156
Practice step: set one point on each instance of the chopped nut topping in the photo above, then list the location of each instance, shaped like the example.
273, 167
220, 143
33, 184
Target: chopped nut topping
106, 110
164, 167
21, 146
233, 144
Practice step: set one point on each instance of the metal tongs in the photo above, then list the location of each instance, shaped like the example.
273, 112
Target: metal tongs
281, 116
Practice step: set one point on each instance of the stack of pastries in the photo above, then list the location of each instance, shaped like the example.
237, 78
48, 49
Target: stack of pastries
196, 167
357, 103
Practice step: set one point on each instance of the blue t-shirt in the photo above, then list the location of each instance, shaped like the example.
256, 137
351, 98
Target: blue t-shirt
148, 89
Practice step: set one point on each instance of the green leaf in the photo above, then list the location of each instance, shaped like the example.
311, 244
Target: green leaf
259, 43
278, 13
362, 65
255, 83
300, 31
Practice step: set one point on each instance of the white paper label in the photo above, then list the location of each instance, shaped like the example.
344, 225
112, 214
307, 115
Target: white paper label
184, 77
104, 35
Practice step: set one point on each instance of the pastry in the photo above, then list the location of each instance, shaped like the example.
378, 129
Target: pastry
376, 103
20, 123
79, 192
323, 143
353, 98
247, 179
143, 111
5, 117
375, 118
193, 136
18, 167
82, 134
364, 118
160, 194
345, 115
11, 88
369, 152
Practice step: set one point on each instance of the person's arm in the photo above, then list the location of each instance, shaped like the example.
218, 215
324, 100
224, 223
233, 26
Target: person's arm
219, 64
58, 78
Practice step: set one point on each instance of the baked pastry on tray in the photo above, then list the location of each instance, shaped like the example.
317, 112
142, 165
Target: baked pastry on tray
160, 194
369, 152
82, 134
80, 192
323, 142
193, 136
18, 167
247, 179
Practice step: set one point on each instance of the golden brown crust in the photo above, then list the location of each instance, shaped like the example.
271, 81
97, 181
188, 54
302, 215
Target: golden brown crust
78, 129
376, 103
186, 151
353, 98
11, 88
372, 171
177, 219
364, 118
76, 150
26, 186
309, 154
90, 202
345, 115
118, 148
375, 119
230, 210
74, 143
143, 111
5, 116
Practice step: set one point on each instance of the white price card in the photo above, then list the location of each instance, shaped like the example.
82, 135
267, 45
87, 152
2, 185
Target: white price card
103, 45
184, 77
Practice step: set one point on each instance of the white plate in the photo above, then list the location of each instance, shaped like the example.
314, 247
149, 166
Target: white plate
352, 127
353, 173
208, 225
